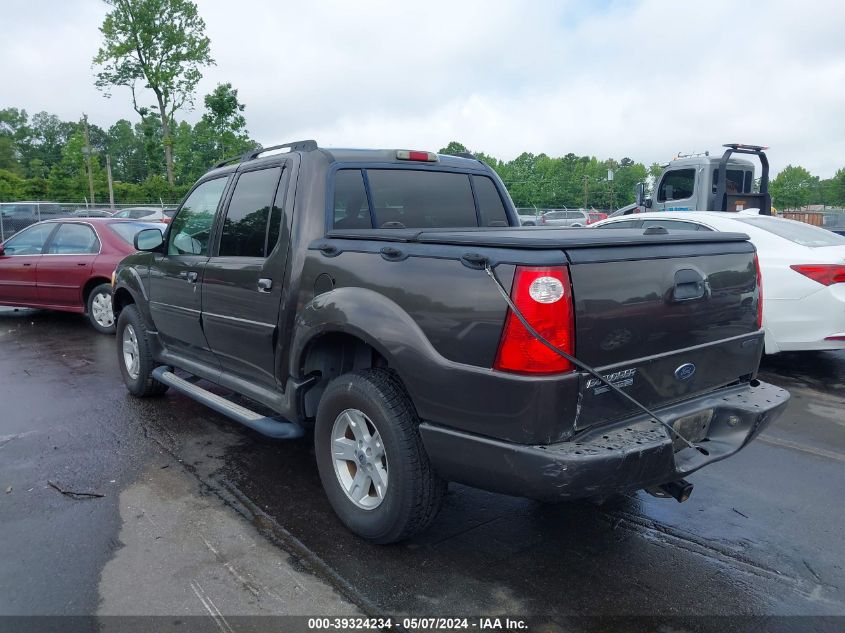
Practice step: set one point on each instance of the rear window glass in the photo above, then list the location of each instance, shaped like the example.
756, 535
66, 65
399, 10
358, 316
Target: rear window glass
738, 181
128, 230
797, 232
351, 210
421, 199
490, 206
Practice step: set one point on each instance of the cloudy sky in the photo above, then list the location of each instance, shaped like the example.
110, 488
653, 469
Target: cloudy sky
644, 79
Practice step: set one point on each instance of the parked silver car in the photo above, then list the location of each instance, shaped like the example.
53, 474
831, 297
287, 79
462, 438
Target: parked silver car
528, 220
141, 213
567, 217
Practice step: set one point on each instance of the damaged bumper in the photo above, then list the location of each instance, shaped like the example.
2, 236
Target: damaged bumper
628, 455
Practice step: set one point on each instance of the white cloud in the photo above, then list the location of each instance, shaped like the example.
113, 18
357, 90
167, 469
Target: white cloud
640, 79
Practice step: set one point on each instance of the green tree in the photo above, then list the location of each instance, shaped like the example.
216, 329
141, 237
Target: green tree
11, 186
224, 118
793, 187
833, 189
68, 180
161, 43
453, 148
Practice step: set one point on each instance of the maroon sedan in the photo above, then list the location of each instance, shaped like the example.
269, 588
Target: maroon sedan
66, 264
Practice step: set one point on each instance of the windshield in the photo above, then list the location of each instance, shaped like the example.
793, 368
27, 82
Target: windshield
127, 230
797, 232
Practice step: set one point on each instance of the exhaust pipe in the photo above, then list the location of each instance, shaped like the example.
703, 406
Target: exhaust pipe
679, 490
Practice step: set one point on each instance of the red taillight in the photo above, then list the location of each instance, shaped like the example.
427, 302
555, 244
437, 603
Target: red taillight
759, 292
406, 154
825, 274
553, 318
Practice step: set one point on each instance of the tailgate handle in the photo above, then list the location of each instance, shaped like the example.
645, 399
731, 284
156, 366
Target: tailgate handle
689, 286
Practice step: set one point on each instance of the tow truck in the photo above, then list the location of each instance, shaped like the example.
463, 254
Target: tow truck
701, 182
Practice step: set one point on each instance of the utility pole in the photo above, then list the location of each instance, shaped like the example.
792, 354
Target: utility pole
88, 158
586, 190
111, 184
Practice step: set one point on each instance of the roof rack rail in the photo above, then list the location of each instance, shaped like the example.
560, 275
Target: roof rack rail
297, 146
465, 155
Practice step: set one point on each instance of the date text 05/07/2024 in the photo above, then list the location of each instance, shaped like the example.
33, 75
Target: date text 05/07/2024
418, 623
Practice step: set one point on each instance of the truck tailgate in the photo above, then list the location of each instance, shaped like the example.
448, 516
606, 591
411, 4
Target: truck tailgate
664, 323
665, 315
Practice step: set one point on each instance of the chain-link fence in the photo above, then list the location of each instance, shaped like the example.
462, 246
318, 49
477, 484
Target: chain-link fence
15, 216
533, 214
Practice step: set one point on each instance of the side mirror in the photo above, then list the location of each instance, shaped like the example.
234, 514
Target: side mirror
148, 240
640, 194
2, 250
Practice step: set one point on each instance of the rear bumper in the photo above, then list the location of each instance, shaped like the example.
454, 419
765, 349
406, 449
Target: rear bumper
807, 323
627, 455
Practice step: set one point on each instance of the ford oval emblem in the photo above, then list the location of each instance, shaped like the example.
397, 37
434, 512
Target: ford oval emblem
685, 371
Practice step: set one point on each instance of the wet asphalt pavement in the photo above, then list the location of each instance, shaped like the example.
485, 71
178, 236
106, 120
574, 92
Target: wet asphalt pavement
761, 534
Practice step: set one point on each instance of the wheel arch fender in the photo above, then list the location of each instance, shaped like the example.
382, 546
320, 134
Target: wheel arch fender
373, 319
129, 289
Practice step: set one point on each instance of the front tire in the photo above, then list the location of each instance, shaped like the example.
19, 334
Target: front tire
134, 355
99, 307
371, 459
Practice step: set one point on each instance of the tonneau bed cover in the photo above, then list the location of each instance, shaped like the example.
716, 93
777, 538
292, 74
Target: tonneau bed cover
536, 238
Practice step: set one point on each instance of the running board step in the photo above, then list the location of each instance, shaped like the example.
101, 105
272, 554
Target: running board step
271, 427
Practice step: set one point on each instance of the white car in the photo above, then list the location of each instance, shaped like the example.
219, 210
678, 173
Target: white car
152, 214
803, 270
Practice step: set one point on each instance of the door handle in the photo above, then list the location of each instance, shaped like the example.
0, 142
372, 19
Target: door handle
81, 264
190, 275
264, 285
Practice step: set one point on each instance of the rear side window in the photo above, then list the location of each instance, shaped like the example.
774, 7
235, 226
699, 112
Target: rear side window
797, 232
491, 210
677, 185
623, 224
421, 199
351, 210
74, 239
277, 214
247, 220
674, 225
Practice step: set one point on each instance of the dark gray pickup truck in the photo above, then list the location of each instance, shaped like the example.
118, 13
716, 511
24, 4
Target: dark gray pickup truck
355, 291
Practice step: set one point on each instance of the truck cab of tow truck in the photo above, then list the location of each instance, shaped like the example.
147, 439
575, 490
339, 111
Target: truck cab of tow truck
701, 182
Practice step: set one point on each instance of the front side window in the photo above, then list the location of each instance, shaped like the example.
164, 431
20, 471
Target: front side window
248, 216
677, 185
191, 228
490, 207
30, 241
74, 239
421, 199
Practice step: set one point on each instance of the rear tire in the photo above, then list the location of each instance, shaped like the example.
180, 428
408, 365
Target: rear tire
134, 355
399, 494
99, 307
